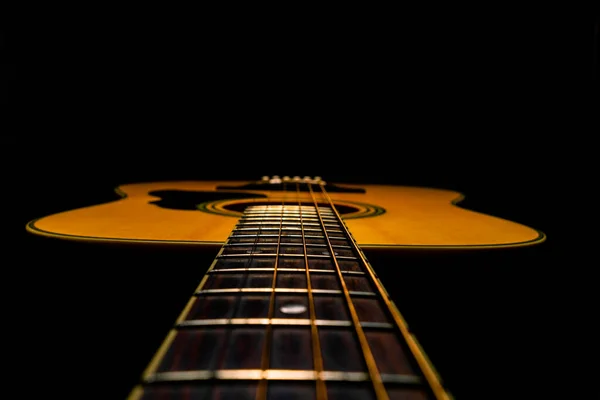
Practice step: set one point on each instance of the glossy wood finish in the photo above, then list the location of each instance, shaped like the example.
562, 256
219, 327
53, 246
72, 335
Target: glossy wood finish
414, 217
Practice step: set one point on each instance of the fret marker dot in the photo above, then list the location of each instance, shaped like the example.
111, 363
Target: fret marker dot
293, 309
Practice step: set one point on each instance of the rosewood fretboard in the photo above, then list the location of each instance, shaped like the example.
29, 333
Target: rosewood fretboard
289, 309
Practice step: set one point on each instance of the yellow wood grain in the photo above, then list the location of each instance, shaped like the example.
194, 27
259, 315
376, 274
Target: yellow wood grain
414, 217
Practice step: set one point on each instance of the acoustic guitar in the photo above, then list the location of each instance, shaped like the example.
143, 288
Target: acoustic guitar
290, 307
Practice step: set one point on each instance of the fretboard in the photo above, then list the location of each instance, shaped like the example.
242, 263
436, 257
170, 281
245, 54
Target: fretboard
289, 309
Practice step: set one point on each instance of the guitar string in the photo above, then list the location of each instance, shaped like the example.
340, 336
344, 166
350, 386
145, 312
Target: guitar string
316, 344
421, 358
426, 367
261, 392
378, 387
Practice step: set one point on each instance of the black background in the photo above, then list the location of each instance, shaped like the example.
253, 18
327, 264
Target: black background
491, 103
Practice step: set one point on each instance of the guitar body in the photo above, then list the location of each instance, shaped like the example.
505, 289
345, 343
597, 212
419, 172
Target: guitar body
203, 213
416, 234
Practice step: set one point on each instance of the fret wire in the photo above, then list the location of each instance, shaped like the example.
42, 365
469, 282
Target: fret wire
304, 209
192, 323
247, 218
277, 214
234, 291
321, 389
261, 391
380, 391
318, 271
295, 210
236, 235
310, 256
269, 223
278, 374
309, 245
275, 229
252, 220
426, 367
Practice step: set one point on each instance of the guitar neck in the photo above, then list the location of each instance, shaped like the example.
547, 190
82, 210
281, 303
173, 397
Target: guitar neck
290, 309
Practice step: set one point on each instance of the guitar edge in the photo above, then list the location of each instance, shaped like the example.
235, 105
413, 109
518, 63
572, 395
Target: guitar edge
410, 218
